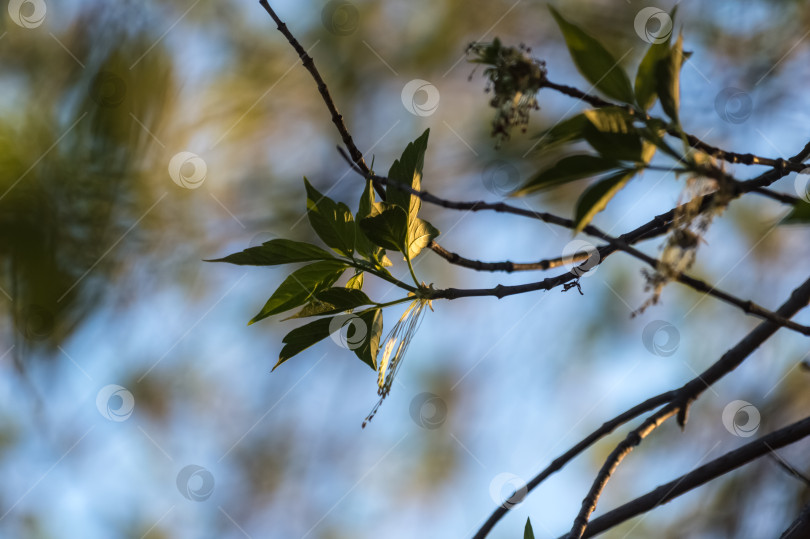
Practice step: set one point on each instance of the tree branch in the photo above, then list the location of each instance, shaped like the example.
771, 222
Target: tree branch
702, 475
683, 399
309, 64
731, 157
584, 444
799, 528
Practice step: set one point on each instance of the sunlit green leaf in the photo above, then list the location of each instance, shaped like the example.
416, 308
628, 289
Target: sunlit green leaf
566, 170
596, 197
333, 301
274, 252
420, 233
668, 79
367, 351
799, 215
408, 170
646, 76
300, 286
528, 532
389, 229
355, 281
568, 130
595, 63
302, 338
332, 221
369, 208
610, 131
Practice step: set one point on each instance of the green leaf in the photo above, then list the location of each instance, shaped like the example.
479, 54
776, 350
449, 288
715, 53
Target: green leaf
596, 197
668, 80
302, 338
566, 170
799, 215
528, 532
408, 170
612, 134
367, 351
333, 301
332, 221
569, 130
275, 252
355, 281
389, 229
595, 63
300, 286
646, 76
369, 208
420, 234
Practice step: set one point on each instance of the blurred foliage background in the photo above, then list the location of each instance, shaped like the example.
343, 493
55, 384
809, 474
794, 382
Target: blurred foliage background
101, 278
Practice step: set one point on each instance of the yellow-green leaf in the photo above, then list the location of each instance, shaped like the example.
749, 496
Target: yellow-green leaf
300, 286
595, 63
567, 169
596, 197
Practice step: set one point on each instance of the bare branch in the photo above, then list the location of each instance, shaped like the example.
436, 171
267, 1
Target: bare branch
702, 475
309, 64
799, 528
683, 399
584, 444
743, 158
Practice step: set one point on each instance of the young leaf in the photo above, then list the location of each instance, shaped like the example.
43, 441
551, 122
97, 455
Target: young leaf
647, 69
566, 170
610, 131
368, 208
389, 229
569, 130
333, 301
275, 252
367, 351
355, 281
420, 234
668, 80
300, 286
302, 338
799, 215
332, 221
595, 63
596, 197
408, 170
528, 532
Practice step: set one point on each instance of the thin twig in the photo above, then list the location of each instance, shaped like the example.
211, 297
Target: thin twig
309, 64
700, 476
730, 157
500, 291
585, 443
682, 401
